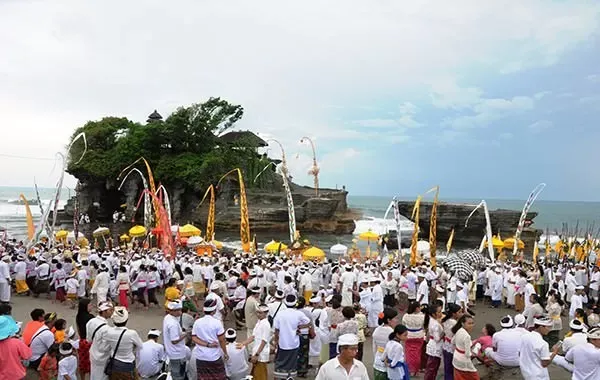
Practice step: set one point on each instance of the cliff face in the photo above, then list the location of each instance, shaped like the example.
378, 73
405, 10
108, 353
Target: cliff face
451, 215
268, 210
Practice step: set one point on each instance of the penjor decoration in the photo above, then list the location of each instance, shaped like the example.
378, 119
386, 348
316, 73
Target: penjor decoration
244, 218
532, 197
488, 227
163, 197
147, 198
155, 200
210, 223
62, 174
314, 170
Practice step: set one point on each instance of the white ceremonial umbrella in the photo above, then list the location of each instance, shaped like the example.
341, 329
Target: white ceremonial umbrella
194, 241
338, 249
423, 247
174, 229
71, 236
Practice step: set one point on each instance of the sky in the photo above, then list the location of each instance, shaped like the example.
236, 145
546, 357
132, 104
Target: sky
484, 98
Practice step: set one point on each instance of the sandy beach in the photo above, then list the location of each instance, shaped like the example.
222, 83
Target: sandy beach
142, 321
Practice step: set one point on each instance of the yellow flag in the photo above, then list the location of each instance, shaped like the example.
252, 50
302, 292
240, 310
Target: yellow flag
536, 252
433, 227
449, 243
415, 235
30, 226
244, 218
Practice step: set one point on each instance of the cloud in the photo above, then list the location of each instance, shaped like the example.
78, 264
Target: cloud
540, 126
377, 123
594, 78
485, 111
73, 61
506, 136
541, 94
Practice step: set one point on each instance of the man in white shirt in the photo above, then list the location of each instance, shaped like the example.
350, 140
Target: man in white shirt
577, 301
535, 355
151, 357
422, 290
347, 280
40, 342
97, 328
506, 344
286, 324
174, 340
586, 357
344, 366
5, 279
577, 338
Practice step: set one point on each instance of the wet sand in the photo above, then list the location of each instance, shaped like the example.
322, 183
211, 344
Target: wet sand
142, 321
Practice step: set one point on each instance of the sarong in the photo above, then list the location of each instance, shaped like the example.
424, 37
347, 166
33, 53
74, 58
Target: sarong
123, 299
84, 355
61, 294
286, 362
432, 368
519, 303
402, 301
551, 338
42, 287
210, 370
303, 355
123, 371
464, 375
307, 295
21, 286
378, 375
260, 371
414, 349
448, 367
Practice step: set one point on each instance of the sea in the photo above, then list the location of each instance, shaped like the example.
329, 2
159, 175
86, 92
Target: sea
552, 215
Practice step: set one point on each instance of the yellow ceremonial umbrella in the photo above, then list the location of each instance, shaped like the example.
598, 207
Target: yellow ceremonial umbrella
313, 253
62, 234
189, 230
124, 237
137, 231
498, 243
368, 236
273, 246
510, 242
217, 244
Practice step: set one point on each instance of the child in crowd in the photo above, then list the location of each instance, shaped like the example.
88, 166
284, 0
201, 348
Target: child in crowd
397, 368
59, 330
186, 321
72, 290
237, 367
484, 341
67, 365
48, 367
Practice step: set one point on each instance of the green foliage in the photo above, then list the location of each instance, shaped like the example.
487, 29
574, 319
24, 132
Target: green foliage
183, 149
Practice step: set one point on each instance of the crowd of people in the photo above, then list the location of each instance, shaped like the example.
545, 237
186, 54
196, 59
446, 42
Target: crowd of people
309, 319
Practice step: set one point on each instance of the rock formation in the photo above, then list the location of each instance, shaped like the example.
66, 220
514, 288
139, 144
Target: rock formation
454, 215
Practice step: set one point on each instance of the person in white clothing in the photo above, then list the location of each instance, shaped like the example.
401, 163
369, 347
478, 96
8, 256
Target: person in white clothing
5, 279
237, 367
506, 344
586, 357
535, 355
578, 336
577, 300
210, 352
261, 337
151, 357
174, 339
122, 343
67, 366
97, 328
344, 366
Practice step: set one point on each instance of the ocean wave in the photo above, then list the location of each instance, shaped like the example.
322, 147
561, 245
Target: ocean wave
381, 226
